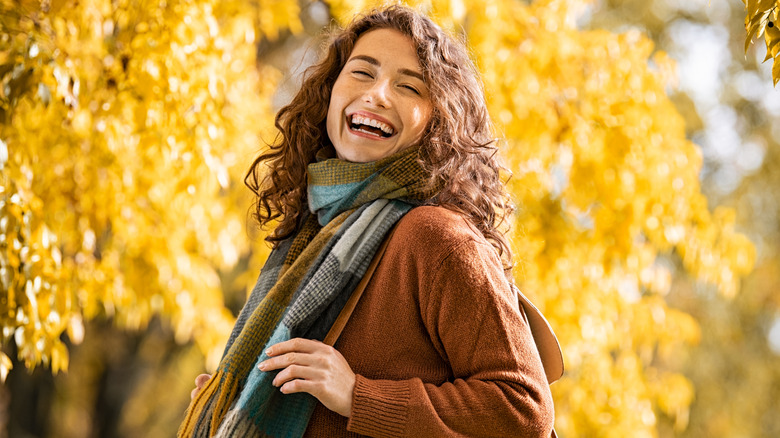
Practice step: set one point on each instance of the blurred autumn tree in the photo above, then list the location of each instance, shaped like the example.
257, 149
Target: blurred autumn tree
126, 129
733, 113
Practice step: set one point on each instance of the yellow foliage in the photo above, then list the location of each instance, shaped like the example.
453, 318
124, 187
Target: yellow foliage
762, 18
126, 131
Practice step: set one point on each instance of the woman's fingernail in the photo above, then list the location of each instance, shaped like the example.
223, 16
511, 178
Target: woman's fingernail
262, 366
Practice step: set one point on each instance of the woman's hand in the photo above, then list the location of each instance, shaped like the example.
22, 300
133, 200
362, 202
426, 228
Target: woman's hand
199, 382
312, 367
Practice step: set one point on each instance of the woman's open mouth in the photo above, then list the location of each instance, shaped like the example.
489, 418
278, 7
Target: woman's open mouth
362, 124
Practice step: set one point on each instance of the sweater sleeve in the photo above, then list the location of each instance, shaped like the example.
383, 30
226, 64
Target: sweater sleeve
498, 386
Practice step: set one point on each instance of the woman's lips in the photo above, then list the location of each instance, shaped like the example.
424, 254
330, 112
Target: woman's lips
370, 115
366, 134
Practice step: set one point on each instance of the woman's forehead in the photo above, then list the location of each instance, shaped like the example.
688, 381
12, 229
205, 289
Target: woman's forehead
387, 46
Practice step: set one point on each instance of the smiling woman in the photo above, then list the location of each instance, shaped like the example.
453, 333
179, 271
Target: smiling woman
388, 140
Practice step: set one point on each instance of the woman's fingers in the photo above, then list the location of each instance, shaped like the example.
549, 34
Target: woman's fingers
315, 368
199, 382
293, 352
287, 359
297, 372
295, 345
313, 387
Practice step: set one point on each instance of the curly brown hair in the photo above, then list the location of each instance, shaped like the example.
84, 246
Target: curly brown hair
458, 148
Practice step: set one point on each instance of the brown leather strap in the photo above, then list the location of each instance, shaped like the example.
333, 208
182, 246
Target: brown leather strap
349, 307
544, 337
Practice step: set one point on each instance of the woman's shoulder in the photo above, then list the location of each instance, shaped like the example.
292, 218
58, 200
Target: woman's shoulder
439, 221
435, 231
444, 251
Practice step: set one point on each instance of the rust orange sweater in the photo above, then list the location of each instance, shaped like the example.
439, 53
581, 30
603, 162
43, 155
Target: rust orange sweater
437, 343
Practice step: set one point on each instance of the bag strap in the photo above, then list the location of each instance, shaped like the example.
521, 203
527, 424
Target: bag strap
349, 307
544, 337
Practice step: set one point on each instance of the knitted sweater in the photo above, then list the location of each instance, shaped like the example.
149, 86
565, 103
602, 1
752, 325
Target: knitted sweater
437, 344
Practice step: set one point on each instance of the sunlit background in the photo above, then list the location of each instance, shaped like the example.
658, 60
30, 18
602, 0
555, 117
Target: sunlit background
643, 139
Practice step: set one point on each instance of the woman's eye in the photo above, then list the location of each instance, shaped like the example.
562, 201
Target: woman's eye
414, 90
362, 73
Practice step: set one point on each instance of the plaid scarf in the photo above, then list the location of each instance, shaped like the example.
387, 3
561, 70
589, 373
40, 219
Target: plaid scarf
302, 289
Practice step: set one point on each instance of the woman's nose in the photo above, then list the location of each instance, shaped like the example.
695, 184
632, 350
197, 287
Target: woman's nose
378, 94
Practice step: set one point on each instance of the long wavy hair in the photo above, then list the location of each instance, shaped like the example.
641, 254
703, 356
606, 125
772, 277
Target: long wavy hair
458, 148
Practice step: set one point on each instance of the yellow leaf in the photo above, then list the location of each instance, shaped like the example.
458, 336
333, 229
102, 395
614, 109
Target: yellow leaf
772, 38
775, 72
5, 366
59, 357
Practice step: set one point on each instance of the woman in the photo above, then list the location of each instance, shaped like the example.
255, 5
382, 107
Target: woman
389, 132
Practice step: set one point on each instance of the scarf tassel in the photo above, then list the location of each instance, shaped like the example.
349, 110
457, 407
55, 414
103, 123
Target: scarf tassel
229, 390
238, 425
222, 385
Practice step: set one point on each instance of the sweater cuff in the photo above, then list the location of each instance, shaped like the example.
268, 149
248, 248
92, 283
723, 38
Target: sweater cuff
379, 407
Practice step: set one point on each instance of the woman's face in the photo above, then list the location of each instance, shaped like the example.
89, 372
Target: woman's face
379, 104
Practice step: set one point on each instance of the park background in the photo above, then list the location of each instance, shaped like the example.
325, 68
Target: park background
642, 137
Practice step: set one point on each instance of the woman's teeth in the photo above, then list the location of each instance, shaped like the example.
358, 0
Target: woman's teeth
370, 126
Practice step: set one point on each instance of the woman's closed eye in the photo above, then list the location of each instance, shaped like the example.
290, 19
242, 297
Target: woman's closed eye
362, 73
413, 89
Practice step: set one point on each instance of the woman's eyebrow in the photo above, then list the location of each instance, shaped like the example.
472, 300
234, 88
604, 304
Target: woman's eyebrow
374, 61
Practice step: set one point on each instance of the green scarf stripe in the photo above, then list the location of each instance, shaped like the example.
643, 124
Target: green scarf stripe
332, 171
254, 334
411, 176
308, 231
312, 273
387, 189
